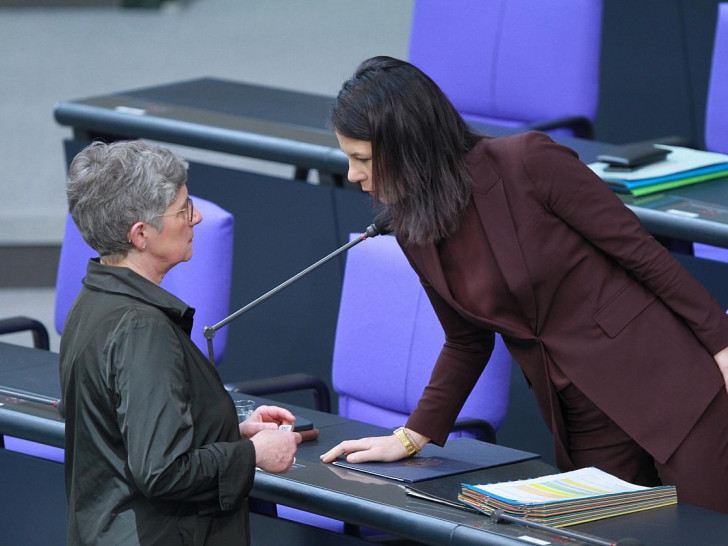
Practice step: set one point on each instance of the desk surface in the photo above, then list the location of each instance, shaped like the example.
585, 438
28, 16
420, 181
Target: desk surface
368, 500
291, 127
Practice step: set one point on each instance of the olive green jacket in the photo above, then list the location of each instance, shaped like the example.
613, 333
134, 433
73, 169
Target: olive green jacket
153, 453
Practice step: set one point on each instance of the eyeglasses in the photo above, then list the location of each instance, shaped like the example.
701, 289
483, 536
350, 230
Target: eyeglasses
189, 208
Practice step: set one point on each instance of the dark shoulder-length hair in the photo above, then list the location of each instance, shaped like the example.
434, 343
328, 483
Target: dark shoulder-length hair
419, 143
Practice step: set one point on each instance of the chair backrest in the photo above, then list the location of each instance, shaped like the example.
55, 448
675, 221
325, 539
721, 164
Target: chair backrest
511, 62
388, 338
716, 115
204, 282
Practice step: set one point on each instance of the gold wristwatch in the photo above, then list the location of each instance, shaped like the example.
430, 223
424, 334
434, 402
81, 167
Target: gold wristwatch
407, 442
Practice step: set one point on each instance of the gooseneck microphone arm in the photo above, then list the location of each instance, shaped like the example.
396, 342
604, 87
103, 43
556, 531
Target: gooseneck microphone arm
379, 226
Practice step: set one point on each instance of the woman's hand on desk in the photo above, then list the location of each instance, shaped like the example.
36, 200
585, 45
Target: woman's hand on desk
379, 448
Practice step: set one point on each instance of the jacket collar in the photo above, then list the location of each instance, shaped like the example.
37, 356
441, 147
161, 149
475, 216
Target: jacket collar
124, 281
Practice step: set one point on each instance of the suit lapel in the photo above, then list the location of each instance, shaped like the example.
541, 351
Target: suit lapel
427, 259
491, 207
494, 213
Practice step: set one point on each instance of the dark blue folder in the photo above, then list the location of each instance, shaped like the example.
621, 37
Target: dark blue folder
458, 456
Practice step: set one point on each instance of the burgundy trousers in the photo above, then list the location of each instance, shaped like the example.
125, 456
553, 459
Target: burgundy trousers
698, 468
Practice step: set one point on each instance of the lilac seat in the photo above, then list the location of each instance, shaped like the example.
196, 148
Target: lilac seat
387, 340
716, 114
204, 283
515, 63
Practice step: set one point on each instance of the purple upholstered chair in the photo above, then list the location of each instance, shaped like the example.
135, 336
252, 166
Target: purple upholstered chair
517, 63
203, 282
716, 115
387, 340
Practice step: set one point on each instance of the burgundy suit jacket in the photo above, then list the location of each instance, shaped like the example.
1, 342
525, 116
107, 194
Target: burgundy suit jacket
596, 295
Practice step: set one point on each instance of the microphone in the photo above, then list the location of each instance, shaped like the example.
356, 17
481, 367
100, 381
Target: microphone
379, 226
498, 516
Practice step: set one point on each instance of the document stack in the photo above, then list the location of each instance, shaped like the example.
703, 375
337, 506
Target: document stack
680, 167
569, 498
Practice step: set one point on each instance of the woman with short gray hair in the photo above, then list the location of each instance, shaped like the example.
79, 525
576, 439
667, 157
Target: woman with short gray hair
103, 209
154, 451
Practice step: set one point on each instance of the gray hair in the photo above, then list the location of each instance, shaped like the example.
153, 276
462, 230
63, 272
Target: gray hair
112, 186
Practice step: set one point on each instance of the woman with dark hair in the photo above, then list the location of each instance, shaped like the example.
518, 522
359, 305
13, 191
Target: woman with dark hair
154, 451
412, 150
626, 353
